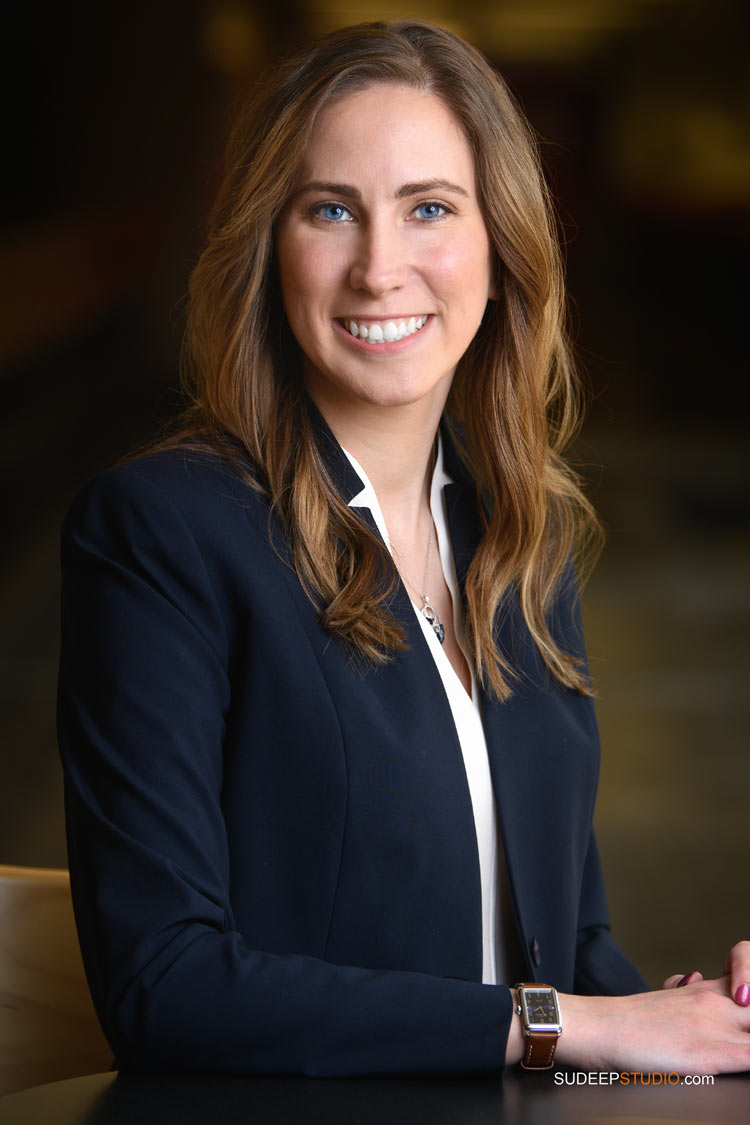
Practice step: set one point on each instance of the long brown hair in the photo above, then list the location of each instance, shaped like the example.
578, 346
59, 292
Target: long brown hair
514, 392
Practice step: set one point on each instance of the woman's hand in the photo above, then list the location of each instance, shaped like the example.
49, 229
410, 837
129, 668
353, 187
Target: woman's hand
736, 967
696, 1029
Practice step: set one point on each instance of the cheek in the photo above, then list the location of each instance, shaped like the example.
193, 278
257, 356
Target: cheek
306, 266
463, 270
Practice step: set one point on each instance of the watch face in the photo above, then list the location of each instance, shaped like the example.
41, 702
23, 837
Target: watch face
540, 1005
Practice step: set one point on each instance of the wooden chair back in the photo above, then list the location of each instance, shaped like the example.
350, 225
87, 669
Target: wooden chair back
48, 1027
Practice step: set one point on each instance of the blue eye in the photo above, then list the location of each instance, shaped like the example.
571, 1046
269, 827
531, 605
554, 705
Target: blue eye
332, 212
430, 211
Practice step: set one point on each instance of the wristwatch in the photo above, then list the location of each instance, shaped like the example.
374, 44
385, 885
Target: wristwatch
539, 1010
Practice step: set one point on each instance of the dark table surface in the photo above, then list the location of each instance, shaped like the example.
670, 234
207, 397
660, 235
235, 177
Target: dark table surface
537, 1099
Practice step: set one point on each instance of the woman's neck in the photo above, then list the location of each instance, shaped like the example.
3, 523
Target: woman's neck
393, 444
395, 448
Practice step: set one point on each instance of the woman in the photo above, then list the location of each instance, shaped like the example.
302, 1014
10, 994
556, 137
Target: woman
325, 717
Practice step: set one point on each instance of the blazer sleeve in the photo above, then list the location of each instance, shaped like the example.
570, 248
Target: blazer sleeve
145, 697
601, 967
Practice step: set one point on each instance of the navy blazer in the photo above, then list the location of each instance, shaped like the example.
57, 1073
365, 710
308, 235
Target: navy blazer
272, 846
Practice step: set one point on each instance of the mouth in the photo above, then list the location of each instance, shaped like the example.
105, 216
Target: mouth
385, 331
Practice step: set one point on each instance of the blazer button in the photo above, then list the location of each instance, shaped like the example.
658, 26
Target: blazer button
536, 956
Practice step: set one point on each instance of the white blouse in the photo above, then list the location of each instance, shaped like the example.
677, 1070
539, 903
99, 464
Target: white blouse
468, 719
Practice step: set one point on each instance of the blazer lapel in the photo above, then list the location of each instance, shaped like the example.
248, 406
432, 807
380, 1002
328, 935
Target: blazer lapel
340, 468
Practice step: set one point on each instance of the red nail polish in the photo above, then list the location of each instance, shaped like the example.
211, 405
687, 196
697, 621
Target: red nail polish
742, 995
681, 981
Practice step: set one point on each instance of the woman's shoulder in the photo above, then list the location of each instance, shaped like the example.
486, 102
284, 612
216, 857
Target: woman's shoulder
178, 526
200, 486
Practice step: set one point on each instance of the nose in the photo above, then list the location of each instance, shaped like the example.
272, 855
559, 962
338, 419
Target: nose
380, 261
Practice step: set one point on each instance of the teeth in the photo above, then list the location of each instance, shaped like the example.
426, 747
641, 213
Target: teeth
388, 332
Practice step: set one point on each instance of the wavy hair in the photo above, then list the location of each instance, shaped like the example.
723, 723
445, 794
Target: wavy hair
514, 394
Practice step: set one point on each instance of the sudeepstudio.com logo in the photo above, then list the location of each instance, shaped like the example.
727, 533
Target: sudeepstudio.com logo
630, 1078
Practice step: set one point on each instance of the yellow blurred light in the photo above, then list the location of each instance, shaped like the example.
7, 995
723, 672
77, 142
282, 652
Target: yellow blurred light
230, 42
523, 30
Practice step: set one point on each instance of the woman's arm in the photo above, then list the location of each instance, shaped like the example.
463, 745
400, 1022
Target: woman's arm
613, 1021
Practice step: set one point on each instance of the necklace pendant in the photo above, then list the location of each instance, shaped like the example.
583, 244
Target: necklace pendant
432, 619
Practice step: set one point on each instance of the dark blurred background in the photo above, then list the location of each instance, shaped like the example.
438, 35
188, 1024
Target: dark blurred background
116, 115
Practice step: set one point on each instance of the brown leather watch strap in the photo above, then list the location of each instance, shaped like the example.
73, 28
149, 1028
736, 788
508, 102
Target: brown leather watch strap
540, 1050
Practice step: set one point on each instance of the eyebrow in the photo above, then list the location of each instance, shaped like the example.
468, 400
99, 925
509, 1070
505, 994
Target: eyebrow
418, 187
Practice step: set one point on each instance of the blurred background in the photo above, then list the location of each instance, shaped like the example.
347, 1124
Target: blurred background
116, 114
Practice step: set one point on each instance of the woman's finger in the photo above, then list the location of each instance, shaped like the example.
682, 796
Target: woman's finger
737, 966
677, 981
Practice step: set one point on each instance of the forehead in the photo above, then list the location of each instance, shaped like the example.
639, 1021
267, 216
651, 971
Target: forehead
388, 134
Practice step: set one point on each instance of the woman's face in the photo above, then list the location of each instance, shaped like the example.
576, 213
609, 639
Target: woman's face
384, 259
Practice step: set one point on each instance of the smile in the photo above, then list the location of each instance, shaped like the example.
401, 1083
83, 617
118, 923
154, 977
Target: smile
386, 331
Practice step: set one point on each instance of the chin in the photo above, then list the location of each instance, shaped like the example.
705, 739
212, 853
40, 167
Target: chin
400, 391
376, 389
395, 396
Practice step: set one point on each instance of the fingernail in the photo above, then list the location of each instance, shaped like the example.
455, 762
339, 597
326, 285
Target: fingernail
742, 995
684, 980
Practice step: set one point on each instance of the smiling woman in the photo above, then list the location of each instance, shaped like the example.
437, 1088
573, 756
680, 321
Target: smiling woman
325, 718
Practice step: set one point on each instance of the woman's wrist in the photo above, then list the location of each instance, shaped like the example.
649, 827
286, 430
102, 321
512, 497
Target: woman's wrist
587, 1023
584, 1032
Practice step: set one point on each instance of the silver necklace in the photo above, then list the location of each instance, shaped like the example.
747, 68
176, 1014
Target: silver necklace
426, 609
